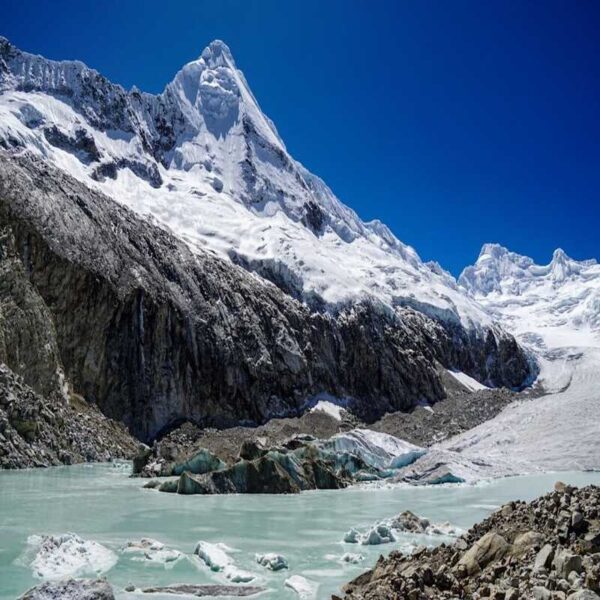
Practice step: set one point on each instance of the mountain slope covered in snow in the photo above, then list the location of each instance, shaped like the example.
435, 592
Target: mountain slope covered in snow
551, 305
193, 270
204, 161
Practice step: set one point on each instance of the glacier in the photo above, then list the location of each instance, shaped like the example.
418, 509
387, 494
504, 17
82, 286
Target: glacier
554, 312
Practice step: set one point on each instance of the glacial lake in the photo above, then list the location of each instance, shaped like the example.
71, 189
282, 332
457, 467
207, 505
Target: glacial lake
101, 503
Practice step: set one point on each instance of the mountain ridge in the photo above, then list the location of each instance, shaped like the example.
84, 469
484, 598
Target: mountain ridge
205, 139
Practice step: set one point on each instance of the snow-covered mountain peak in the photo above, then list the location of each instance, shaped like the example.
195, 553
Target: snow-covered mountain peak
203, 160
217, 54
551, 305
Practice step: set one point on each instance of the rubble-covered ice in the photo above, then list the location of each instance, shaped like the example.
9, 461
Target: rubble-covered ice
68, 555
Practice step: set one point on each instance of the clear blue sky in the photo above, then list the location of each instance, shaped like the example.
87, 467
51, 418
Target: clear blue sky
455, 122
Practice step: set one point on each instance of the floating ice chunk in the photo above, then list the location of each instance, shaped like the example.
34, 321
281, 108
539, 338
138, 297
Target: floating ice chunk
153, 551
213, 555
380, 533
272, 561
236, 575
352, 558
306, 590
352, 537
445, 528
386, 531
68, 555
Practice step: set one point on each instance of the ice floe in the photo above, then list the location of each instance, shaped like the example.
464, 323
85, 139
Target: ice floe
216, 558
352, 558
151, 550
306, 589
387, 531
68, 555
272, 561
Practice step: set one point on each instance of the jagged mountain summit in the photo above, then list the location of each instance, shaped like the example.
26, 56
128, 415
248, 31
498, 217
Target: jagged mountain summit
203, 160
557, 304
193, 270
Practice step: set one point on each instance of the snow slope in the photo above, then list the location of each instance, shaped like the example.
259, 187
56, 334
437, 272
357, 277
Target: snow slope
203, 160
555, 310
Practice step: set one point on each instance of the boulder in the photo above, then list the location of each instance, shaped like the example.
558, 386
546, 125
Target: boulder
490, 547
566, 561
252, 449
544, 558
408, 521
525, 541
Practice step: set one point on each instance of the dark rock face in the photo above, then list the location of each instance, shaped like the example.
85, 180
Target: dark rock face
82, 144
549, 548
43, 432
155, 334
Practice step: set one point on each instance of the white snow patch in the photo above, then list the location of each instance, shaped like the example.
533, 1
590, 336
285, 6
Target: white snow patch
467, 381
328, 407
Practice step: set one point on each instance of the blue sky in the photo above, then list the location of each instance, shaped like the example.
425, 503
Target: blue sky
456, 123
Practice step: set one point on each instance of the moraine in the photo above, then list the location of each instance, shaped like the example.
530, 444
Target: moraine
101, 504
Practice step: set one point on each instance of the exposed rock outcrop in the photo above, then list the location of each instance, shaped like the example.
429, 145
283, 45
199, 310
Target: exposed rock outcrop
546, 549
42, 421
154, 334
42, 432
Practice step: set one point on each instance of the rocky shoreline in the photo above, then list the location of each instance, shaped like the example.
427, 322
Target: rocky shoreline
43, 432
548, 549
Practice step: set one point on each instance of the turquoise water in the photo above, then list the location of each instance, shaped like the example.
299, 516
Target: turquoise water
101, 503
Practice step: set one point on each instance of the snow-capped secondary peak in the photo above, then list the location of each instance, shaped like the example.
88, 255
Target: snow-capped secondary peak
203, 160
548, 305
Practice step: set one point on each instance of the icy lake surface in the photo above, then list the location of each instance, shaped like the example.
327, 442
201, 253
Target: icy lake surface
103, 506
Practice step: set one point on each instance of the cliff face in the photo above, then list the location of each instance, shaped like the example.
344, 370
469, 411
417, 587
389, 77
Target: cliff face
154, 333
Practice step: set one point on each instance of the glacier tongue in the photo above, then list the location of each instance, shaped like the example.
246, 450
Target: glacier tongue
555, 311
205, 162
